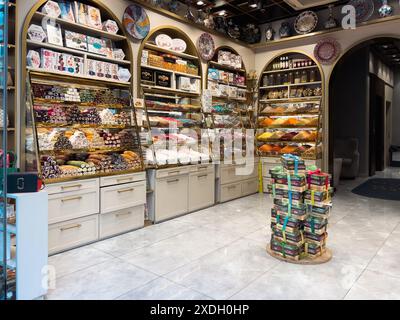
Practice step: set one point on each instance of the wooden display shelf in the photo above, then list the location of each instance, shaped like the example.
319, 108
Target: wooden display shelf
42, 101
293, 100
286, 142
324, 258
225, 67
88, 150
291, 69
91, 176
83, 78
73, 26
178, 54
304, 127
164, 89
82, 126
184, 74
288, 114
36, 44
292, 85
228, 98
228, 84
177, 109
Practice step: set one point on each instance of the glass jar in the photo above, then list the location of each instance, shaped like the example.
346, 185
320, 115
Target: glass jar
297, 77
304, 76
291, 78
285, 79
278, 79
313, 76
271, 80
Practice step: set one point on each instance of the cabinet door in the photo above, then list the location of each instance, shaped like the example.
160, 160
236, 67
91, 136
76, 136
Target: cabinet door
171, 197
231, 191
122, 196
249, 187
73, 233
121, 221
201, 190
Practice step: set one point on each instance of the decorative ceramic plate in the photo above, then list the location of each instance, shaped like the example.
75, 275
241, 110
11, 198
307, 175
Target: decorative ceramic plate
136, 21
327, 50
364, 9
164, 41
306, 22
178, 45
206, 46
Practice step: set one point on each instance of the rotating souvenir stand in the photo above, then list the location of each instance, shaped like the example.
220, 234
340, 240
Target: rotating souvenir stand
290, 112
81, 135
299, 215
180, 180
229, 115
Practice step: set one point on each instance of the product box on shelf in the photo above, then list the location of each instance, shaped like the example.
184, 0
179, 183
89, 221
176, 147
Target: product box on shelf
51, 9
118, 54
36, 33
48, 59
54, 35
94, 17
96, 45
163, 79
80, 11
213, 74
33, 59
75, 40
67, 10
145, 58
110, 26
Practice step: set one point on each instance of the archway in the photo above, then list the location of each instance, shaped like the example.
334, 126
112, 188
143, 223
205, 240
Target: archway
362, 98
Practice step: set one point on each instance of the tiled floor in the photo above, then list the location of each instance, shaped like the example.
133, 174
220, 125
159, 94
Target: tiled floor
219, 253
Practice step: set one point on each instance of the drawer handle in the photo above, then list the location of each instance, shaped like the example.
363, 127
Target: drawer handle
123, 214
172, 181
203, 168
202, 176
231, 187
126, 190
173, 172
76, 226
71, 187
124, 179
71, 199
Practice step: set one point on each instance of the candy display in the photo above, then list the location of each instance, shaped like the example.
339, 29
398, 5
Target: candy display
299, 215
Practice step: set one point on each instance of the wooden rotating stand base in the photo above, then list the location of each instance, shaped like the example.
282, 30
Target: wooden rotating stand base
325, 257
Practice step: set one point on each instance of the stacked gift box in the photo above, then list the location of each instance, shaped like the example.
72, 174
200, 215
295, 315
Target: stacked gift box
300, 211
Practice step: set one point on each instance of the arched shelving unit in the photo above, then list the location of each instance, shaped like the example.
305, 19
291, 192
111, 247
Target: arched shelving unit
227, 120
170, 83
79, 125
290, 111
89, 72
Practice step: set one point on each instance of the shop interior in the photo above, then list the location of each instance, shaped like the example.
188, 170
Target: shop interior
200, 150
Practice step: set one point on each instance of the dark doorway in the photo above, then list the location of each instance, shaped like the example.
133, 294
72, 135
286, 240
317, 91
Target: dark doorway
376, 125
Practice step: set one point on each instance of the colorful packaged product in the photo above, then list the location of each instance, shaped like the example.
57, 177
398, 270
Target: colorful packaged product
33, 59
48, 59
213, 74
67, 11
91, 67
54, 35
76, 40
96, 45
80, 11
118, 54
94, 17
51, 9
285, 250
110, 26
36, 33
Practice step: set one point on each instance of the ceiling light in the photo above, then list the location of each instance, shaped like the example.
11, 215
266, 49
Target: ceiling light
200, 3
253, 4
222, 13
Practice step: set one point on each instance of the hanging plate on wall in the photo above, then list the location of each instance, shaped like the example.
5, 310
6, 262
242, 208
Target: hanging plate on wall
164, 41
306, 22
327, 51
178, 45
364, 9
206, 46
136, 21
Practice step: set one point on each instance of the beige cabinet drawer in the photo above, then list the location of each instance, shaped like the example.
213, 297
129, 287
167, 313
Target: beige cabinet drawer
73, 233
72, 186
126, 178
202, 168
122, 196
249, 187
201, 190
171, 197
71, 205
228, 174
231, 191
172, 172
121, 221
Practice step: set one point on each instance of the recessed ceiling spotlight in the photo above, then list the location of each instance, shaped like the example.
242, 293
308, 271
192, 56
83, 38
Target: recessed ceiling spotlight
222, 13
253, 4
200, 3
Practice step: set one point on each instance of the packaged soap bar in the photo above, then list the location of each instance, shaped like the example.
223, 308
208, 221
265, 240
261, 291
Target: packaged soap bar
282, 178
76, 40
294, 239
287, 250
107, 70
119, 54
94, 17
279, 220
318, 239
108, 48
317, 196
91, 67
298, 210
315, 225
114, 71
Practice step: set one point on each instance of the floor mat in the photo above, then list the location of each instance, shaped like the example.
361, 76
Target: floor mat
387, 189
